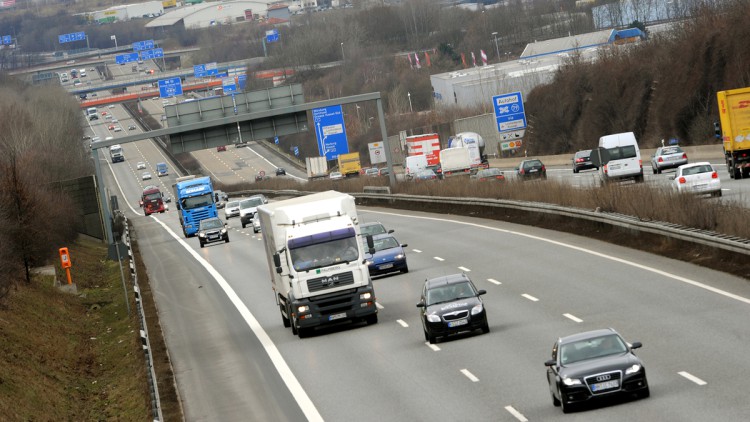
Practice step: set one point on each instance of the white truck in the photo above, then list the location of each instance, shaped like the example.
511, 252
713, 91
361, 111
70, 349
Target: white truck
316, 260
317, 167
455, 161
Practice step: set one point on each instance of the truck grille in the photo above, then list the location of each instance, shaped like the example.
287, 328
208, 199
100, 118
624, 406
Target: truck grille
329, 281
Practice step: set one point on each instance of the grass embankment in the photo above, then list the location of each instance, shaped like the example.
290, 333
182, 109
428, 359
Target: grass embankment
74, 357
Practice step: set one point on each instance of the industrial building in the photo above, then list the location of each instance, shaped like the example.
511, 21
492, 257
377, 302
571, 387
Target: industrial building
208, 14
127, 12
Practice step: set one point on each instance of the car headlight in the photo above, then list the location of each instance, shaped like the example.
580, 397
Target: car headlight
571, 381
223, 231
433, 318
368, 262
633, 369
302, 309
477, 309
201, 234
399, 256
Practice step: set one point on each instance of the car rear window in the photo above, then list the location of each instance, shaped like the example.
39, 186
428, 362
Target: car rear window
619, 153
671, 150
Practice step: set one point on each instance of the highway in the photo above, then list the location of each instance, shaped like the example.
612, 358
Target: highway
234, 361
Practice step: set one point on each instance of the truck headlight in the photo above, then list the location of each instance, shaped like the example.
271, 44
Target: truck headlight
571, 381
633, 369
433, 318
477, 309
365, 296
302, 309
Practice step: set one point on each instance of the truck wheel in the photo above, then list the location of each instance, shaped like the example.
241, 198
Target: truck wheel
371, 319
304, 332
243, 225
284, 318
293, 324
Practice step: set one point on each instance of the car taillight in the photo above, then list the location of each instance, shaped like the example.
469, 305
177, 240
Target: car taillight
714, 175
661, 160
522, 172
579, 160
681, 180
684, 156
543, 169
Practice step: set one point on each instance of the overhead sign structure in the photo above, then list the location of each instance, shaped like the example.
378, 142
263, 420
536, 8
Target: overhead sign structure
152, 54
203, 70
124, 58
228, 85
377, 152
330, 131
273, 36
7, 40
170, 87
143, 45
509, 112
75, 36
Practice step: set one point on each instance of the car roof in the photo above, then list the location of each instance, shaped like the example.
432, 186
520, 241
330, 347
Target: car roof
445, 280
701, 163
587, 335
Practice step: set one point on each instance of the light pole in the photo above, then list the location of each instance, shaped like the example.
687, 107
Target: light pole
497, 49
342, 52
408, 94
357, 105
114, 38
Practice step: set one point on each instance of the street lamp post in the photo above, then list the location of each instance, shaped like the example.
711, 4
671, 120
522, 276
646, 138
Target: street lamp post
342, 52
497, 49
408, 94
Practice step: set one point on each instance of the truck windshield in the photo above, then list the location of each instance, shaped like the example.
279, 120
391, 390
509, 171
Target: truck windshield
152, 196
324, 254
196, 201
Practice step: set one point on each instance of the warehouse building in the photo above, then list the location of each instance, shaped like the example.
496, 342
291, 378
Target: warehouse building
127, 12
208, 14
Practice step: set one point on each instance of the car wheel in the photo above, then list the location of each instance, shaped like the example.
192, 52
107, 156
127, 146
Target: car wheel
555, 401
644, 394
575, 171
654, 168
717, 193
426, 336
226, 240
284, 317
486, 328
405, 269
243, 225
293, 323
371, 319
255, 230
566, 407
202, 244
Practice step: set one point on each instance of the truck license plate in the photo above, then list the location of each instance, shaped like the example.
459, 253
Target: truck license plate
337, 316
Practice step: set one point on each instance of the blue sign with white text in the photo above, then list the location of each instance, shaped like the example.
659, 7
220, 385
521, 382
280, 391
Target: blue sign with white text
509, 112
170, 87
143, 45
75, 36
203, 70
124, 58
242, 81
272, 35
7, 39
152, 54
330, 131
228, 85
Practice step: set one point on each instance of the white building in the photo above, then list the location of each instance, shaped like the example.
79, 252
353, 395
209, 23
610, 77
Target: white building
127, 12
214, 13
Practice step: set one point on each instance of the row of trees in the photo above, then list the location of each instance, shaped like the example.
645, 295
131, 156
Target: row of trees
40, 143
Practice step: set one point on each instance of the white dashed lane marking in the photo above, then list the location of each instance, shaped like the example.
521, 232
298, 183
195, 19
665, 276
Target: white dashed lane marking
573, 317
469, 375
530, 297
692, 378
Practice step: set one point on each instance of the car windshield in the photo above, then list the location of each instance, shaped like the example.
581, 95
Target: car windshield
250, 203
152, 196
233, 204
196, 201
449, 293
591, 349
490, 172
372, 229
212, 223
384, 243
583, 153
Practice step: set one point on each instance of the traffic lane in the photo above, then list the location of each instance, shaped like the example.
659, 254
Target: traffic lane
226, 167
222, 370
652, 308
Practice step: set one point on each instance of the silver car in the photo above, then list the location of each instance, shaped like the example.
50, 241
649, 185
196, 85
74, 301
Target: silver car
232, 209
669, 157
256, 223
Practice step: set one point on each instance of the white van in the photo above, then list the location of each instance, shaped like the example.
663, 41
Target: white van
414, 164
624, 157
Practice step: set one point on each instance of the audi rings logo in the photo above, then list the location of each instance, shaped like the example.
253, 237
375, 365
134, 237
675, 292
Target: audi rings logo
601, 378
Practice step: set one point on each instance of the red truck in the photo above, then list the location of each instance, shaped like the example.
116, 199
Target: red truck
152, 200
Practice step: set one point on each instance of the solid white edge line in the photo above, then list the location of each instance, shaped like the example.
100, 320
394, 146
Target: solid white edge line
403, 323
530, 297
493, 281
469, 375
437, 258
464, 269
307, 406
692, 378
573, 317
583, 250
518, 415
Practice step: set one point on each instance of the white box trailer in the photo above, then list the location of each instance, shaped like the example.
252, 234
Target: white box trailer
316, 261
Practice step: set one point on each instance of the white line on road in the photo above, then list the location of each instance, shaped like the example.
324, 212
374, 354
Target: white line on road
438, 258
518, 415
469, 375
432, 346
416, 250
530, 297
573, 317
378, 305
493, 281
692, 378
464, 269
403, 323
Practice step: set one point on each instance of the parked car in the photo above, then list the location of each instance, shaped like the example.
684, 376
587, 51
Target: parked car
111, 127
140, 166
582, 161
280, 171
261, 176
531, 169
388, 256
451, 305
372, 172
232, 209
668, 157
212, 229
221, 148
335, 175
490, 174
425, 174
594, 364
699, 178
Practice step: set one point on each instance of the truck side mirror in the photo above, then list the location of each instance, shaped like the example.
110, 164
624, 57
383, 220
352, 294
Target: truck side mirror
370, 245
717, 129
277, 262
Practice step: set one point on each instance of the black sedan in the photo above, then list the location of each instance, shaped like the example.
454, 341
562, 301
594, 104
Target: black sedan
582, 161
451, 305
212, 230
280, 171
531, 169
593, 365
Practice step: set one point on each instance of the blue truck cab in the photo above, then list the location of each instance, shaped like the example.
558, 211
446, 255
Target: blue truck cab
195, 202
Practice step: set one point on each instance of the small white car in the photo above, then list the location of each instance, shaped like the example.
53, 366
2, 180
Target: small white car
335, 175
146, 175
699, 178
141, 165
118, 129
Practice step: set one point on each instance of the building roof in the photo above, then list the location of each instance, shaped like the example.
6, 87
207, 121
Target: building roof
567, 44
172, 17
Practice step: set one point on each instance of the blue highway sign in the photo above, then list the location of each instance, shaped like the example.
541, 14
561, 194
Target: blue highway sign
124, 58
242, 81
75, 36
228, 85
152, 54
143, 45
7, 39
272, 35
509, 112
330, 131
170, 87
203, 70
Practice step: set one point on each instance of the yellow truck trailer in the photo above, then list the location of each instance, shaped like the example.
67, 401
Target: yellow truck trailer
734, 112
349, 164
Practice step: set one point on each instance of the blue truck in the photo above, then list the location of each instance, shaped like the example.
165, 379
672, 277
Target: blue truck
195, 202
